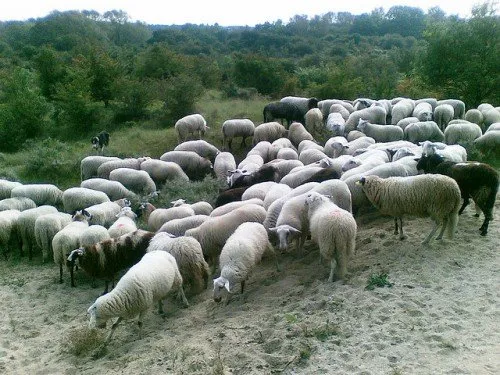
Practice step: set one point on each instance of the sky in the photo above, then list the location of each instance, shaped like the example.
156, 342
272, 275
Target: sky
223, 12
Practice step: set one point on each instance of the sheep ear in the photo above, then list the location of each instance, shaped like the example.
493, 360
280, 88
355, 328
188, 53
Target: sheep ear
273, 229
361, 181
226, 285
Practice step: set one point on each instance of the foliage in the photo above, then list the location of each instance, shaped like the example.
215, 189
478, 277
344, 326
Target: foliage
378, 280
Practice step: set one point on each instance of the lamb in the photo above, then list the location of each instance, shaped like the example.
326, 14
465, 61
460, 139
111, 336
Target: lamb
213, 233
104, 259
195, 166
46, 227
105, 168
162, 171
423, 131
268, 131
146, 283
90, 164
375, 115
265, 150
201, 208
6, 187
458, 107
9, 236
233, 128
403, 108
228, 207
335, 123
190, 124
313, 120
78, 198
178, 227
18, 203
26, 227
113, 189
156, 217
443, 114
476, 180
334, 230
41, 194
136, 180
201, 147
434, 196
284, 111
105, 213
224, 162
423, 111
189, 257
125, 223
68, 239
381, 133
461, 132
242, 251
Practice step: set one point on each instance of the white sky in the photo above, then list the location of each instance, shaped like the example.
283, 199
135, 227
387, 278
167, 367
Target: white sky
223, 12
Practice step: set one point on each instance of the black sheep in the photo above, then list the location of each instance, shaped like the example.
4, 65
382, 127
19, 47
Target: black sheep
265, 173
476, 180
282, 110
229, 195
323, 175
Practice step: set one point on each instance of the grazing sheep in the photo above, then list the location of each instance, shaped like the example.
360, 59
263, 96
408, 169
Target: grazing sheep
234, 128
282, 111
78, 198
178, 227
113, 189
9, 236
125, 223
335, 123
268, 131
332, 165
275, 192
307, 144
381, 133
403, 108
228, 207
423, 111
213, 233
145, 284
105, 213
195, 166
458, 107
6, 187
476, 180
285, 166
461, 132
229, 195
304, 104
294, 179
191, 124
454, 153
159, 216
338, 108
68, 239
489, 143
26, 227
267, 172
258, 190
491, 116
432, 101
242, 251
334, 230
475, 116
375, 115
287, 153
136, 180
434, 196
189, 257
18, 203
313, 120
41, 194
251, 163
90, 164
105, 168
443, 114
403, 123
298, 133
224, 162
163, 171
201, 147
104, 259
199, 208
92, 235
46, 227
423, 131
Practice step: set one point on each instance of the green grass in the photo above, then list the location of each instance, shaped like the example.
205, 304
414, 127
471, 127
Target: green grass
378, 281
83, 341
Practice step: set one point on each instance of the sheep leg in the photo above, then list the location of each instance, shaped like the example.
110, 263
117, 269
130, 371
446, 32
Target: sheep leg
333, 265
243, 144
401, 233
242, 286
431, 234
113, 327
160, 307
60, 273
484, 227
445, 223
396, 225
465, 204
71, 272
139, 323
183, 297
270, 249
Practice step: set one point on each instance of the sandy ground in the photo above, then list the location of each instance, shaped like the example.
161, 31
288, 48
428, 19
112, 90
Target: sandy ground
441, 316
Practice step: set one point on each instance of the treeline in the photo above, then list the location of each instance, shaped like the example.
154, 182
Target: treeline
73, 73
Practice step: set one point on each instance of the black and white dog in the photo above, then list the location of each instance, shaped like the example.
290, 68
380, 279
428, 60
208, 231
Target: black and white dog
100, 140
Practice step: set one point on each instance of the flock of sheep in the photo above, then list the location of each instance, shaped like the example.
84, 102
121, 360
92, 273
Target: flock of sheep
289, 186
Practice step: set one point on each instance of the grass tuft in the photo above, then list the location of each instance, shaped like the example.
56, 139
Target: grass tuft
378, 281
84, 341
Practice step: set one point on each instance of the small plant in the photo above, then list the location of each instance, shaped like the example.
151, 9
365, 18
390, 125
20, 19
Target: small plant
83, 341
291, 318
378, 280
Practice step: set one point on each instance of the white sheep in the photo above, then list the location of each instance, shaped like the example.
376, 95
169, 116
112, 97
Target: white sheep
195, 166
68, 239
105, 213
163, 171
265, 150
160, 216
423, 111
313, 120
268, 131
353, 167
250, 164
78, 198
335, 164
228, 207
428, 195
189, 257
234, 128
375, 115
475, 116
41, 194
178, 227
92, 235
403, 108
489, 142
462, 132
242, 251
307, 144
337, 191
46, 227
403, 123
432, 101
423, 131
223, 163
113, 189
9, 237
340, 109
311, 155
491, 116
294, 179
258, 190
191, 124
455, 153
443, 114
26, 227
326, 106
146, 283
18, 203
381, 133
287, 153
90, 164
458, 107
6, 187
199, 208
125, 223
201, 147
105, 168
335, 123
140, 182
275, 192
213, 233
334, 230
285, 166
